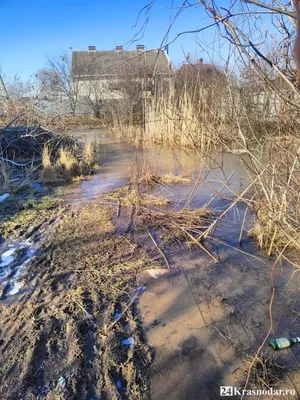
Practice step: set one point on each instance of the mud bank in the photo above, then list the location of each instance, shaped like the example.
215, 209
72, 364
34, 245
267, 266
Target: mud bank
59, 340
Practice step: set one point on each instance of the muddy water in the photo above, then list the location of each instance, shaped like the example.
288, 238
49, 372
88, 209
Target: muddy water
231, 295
218, 175
214, 179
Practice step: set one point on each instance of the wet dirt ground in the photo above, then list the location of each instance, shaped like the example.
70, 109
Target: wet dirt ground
61, 335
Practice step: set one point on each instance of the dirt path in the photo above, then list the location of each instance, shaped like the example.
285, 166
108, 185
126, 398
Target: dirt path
53, 342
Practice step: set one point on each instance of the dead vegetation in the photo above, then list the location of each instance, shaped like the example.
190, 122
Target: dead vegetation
184, 225
68, 164
58, 332
145, 174
128, 196
25, 149
267, 373
275, 194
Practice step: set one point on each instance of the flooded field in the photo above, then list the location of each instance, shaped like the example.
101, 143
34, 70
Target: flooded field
119, 302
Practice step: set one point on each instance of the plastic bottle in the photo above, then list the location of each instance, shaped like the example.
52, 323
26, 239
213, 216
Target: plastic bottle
283, 343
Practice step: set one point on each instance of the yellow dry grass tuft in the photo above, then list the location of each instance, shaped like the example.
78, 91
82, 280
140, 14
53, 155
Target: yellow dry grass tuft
68, 161
126, 196
67, 166
89, 154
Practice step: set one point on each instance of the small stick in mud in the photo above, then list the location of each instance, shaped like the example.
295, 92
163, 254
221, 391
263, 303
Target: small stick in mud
139, 291
159, 249
118, 207
89, 316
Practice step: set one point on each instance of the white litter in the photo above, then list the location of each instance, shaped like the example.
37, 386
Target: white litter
8, 253
7, 261
128, 342
3, 197
16, 288
62, 381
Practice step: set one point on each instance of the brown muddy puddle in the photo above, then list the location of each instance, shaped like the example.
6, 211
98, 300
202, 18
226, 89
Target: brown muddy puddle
213, 180
219, 175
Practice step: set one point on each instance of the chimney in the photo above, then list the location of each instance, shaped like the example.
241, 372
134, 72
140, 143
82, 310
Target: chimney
140, 47
119, 48
92, 48
201, 61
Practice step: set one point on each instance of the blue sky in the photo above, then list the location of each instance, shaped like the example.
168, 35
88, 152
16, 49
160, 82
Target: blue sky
33, 29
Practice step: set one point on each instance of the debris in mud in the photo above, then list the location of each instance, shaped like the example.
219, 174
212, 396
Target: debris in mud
7, 253
81, 273
283, 343
267, 372
61, 382
16, 288
4, 197
118, 310
181, 225
128, 342
7, 258
119, 384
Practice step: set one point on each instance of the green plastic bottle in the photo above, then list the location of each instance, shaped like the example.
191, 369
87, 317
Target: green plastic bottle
283, 343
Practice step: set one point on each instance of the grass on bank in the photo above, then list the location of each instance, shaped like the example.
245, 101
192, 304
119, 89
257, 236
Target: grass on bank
22, 217
68, 165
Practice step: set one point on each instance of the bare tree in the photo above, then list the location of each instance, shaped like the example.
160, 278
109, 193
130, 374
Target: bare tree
56, 80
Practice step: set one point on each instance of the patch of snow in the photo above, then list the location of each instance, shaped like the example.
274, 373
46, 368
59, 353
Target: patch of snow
8, 253
7, 261
16, 288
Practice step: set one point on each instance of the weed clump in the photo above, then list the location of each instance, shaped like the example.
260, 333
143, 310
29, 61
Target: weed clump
127, 196
266, 373
180, 225
68, 165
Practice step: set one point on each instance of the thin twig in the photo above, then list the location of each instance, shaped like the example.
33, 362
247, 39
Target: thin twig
125, 310
158, 248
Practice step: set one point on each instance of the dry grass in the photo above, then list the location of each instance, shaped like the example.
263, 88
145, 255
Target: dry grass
181, 122
267, 373
4, 176
187, 224
171, 179
48, 173
89, 154
69, 164
145, 174
68, 161
67, 123
195, 116
276, 195
126, 196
